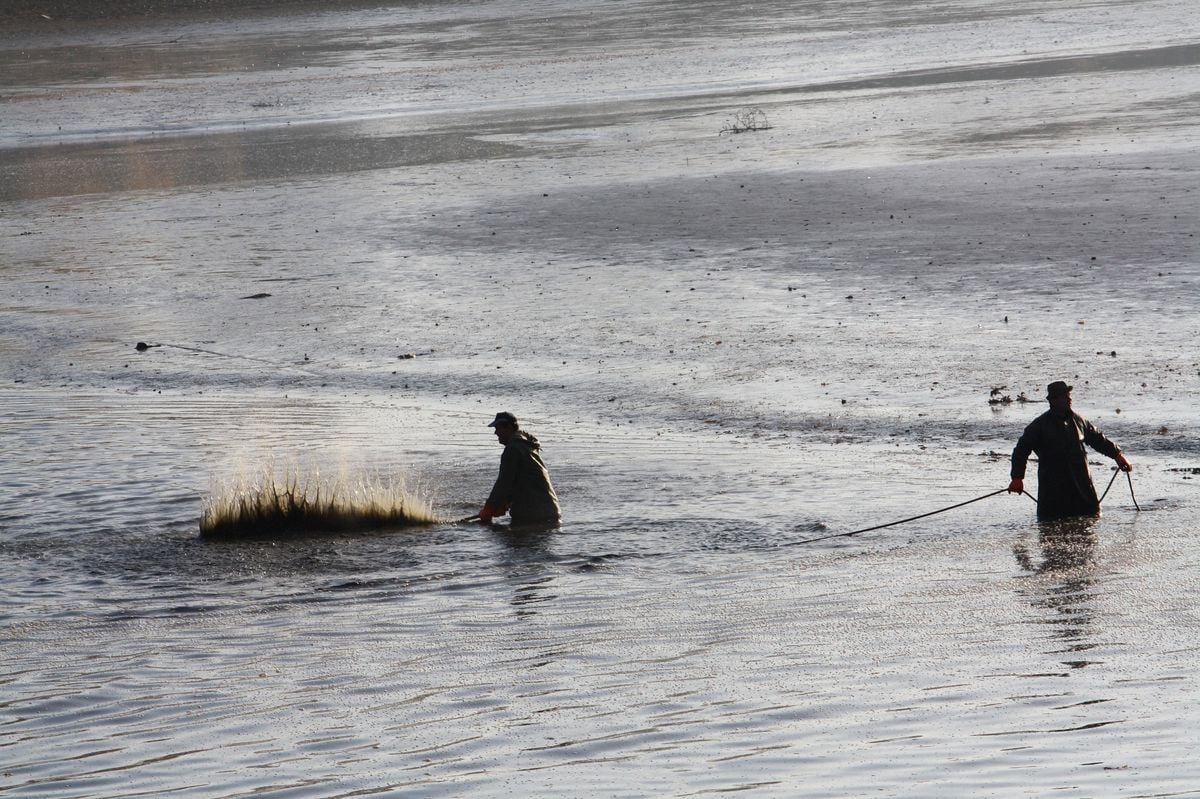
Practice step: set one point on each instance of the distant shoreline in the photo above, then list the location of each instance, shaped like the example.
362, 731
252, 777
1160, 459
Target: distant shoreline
31, 15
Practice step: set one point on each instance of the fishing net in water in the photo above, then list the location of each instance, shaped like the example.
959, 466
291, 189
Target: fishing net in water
271, 505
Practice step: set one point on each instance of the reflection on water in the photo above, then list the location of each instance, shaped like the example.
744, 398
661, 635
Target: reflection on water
1064, 560
1063, 545
185, 161
527, 564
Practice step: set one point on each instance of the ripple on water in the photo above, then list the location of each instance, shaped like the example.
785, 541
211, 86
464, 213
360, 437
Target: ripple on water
702, 419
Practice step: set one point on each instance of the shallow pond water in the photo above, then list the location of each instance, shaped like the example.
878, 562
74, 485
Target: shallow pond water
350, 238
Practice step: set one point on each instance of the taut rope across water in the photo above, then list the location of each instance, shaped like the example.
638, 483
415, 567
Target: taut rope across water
952, 507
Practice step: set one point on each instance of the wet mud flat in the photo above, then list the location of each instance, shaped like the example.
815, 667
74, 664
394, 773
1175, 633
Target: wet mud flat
35, 16
351, 238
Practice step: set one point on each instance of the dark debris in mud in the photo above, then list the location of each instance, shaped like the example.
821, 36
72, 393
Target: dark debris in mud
998, 397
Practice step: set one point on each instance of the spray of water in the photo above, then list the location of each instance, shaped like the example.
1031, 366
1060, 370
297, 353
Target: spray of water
270, 504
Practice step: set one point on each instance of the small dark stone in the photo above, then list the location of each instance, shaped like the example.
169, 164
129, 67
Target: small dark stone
142, 346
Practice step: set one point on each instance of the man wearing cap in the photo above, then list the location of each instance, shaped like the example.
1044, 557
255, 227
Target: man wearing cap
523, 488
1057, 436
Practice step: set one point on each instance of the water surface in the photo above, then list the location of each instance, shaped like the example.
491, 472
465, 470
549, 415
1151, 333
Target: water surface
353, 236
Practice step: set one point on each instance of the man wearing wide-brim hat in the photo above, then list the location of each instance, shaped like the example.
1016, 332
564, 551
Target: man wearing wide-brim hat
1058, 437
523, 488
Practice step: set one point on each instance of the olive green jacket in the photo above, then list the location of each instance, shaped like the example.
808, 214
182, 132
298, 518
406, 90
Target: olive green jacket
523, 485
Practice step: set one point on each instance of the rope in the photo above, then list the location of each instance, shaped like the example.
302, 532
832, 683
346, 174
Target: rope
1131, 496
902, 521
1128, 479
942, 510
1110, 482
959, 505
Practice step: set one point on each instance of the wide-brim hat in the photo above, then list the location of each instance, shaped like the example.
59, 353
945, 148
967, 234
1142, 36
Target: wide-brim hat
1057, 389
504, 417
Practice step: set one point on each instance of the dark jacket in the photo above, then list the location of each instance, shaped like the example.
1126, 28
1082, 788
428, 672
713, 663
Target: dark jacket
1064, 481
523, 485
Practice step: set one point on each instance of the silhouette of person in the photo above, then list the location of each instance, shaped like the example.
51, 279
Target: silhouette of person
1058, 437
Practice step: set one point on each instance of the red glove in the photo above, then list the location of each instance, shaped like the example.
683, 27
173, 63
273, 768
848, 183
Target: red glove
1123, 463
1017, 486
486, 514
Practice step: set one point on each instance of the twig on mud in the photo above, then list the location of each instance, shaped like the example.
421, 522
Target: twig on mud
747, 120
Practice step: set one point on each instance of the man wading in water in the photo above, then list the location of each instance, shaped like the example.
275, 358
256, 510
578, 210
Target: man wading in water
523, 488
1057, 436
